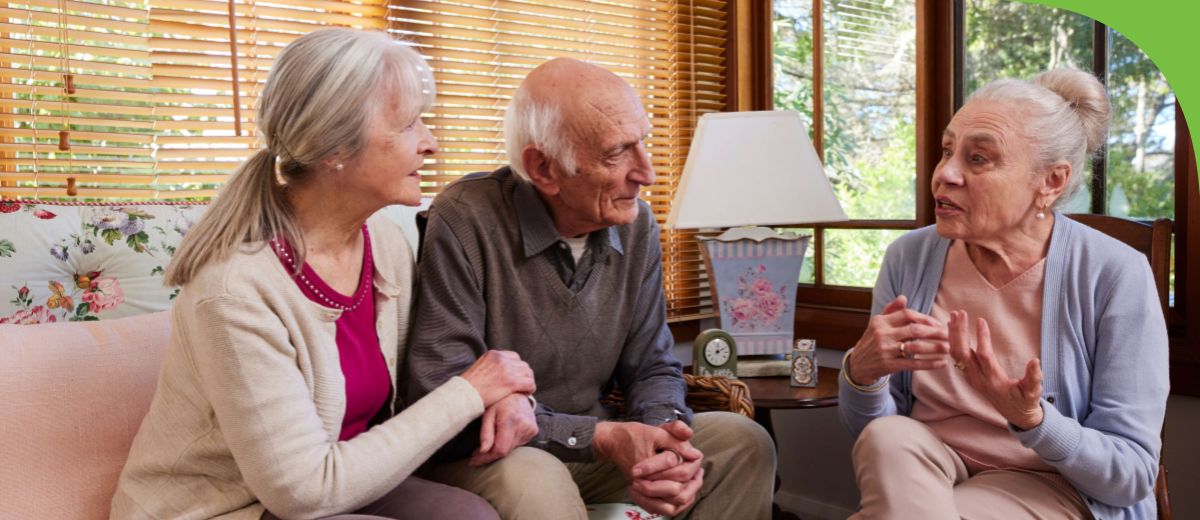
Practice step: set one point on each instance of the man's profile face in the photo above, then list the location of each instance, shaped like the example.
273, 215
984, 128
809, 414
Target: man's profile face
612, 164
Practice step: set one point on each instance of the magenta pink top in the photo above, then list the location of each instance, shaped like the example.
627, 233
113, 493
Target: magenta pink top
368, 383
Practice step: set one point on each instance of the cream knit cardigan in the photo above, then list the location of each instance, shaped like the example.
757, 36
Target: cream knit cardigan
251, 397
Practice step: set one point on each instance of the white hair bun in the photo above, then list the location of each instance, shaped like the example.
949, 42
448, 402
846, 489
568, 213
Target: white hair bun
1087, 97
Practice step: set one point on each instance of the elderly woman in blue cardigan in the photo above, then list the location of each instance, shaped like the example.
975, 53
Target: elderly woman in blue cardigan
1015, 365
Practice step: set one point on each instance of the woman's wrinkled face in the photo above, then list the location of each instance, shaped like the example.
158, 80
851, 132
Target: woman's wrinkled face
394, 148
984, 186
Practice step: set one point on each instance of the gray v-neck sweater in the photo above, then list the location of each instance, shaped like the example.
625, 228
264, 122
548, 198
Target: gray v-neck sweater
491, 276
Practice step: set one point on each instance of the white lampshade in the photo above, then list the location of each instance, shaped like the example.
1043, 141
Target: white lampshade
752, 168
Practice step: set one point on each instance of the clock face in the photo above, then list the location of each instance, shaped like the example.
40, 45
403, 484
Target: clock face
717, 352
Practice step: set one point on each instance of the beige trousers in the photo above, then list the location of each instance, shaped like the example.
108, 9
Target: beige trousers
739, 476
905, 471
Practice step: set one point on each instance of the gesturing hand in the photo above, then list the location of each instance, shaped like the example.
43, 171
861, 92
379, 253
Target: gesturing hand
662, 465
1018, 400
507, 424
898, 339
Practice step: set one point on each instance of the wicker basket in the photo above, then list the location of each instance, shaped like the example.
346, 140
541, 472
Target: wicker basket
705, 394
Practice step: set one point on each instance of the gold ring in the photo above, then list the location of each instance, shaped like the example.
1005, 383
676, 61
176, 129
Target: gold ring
959, 365
678, 457
903, 353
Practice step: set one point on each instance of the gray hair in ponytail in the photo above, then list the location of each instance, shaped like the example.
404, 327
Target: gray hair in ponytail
1067, 114
319, 97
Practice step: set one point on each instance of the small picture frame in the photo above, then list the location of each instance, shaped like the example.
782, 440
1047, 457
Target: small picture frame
804, 363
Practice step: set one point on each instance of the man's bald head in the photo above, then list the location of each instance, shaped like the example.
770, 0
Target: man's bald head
562, 102
568, 83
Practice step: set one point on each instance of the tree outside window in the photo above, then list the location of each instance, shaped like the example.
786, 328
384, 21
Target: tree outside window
866, 112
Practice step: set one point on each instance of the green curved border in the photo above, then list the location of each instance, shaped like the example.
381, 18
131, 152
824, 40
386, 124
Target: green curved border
1163, 29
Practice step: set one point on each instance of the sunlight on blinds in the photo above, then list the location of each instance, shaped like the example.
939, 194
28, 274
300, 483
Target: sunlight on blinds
671, 52
153, 99
137, 100
75, 96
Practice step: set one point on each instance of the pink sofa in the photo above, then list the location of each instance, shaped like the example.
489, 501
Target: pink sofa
84, 320
73, 397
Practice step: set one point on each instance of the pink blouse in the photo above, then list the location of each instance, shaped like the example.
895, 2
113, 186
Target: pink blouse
368, 384
961, 416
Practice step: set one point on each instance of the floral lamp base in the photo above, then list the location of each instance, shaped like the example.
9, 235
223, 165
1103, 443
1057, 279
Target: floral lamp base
753, 274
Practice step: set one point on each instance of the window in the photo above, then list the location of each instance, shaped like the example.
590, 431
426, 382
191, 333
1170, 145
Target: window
856, 85
1146, 170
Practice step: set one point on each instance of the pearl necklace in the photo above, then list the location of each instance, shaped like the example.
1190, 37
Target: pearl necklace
361, 293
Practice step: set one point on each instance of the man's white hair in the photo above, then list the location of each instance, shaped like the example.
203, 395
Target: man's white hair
538, 123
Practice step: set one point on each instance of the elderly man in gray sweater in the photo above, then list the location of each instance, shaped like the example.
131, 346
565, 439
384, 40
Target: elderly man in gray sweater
556, 258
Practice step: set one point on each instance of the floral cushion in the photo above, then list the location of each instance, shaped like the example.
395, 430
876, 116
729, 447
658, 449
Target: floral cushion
79, 262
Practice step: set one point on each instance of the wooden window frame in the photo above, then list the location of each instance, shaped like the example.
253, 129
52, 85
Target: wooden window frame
836, 316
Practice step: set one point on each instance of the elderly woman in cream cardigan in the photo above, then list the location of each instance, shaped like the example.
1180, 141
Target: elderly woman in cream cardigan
277, 394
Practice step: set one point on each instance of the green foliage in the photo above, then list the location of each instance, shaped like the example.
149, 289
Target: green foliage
1010, 39
7, 248
869, 134
853, 256
1141, 165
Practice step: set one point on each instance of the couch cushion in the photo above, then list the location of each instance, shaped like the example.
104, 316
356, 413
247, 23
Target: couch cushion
73, 396
75, 262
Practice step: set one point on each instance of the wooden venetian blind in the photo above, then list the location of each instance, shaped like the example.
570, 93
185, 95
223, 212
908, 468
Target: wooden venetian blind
204, 97
155, 98
672, 52
138, 100
74, 95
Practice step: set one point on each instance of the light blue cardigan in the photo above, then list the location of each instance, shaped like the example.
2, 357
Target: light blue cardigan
1104, 359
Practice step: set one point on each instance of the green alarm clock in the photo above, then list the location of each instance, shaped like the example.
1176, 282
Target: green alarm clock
714, 353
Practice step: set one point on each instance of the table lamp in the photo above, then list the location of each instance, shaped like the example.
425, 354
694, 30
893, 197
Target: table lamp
744, 170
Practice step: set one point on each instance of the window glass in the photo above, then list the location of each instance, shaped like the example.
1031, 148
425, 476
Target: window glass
853, 256
1141, 142
1010, 39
